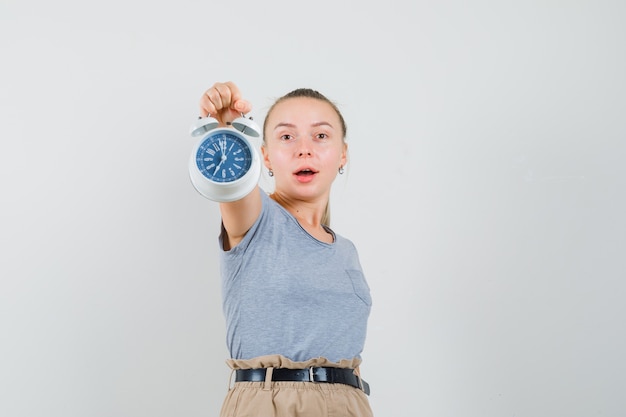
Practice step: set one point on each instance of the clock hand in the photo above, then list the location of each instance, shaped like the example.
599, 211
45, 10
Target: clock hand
225, 151
220, 164
223, 157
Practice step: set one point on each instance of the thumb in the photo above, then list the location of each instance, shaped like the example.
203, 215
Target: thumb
242, 106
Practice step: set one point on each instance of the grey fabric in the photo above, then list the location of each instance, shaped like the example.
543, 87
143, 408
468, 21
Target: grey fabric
285, 292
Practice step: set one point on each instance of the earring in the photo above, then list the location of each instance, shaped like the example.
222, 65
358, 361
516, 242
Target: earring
340, 170
270, 173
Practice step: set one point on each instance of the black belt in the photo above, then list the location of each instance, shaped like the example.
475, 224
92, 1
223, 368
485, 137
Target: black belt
330, 375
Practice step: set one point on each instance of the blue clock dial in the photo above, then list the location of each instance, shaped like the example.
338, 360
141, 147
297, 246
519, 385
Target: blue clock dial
223, 157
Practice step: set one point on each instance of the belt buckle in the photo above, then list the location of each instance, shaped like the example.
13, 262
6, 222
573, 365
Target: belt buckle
311, 375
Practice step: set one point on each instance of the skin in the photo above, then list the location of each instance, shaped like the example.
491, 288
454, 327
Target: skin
301, 134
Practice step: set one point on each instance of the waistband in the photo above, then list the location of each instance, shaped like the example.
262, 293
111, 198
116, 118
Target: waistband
279, 361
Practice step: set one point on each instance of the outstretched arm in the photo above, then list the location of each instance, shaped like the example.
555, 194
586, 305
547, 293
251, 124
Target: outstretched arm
224, 102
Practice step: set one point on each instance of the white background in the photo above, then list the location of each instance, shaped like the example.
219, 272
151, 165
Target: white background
485, 194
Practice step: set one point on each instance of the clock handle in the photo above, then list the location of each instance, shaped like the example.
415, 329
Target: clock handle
247, 126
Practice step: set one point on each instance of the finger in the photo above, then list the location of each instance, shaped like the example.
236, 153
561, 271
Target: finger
220, 95
214, 97
213, 101
233, 93
206, 106
238, 103
210, 102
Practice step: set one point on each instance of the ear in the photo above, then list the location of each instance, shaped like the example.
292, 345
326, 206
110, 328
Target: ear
266, 157
344, 155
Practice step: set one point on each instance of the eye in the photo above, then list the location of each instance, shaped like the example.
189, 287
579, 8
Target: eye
322, 136
286, 137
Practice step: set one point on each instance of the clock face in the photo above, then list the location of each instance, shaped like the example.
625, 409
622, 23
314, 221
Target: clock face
223, 157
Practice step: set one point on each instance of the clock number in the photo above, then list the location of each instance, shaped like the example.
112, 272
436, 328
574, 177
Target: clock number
223, 158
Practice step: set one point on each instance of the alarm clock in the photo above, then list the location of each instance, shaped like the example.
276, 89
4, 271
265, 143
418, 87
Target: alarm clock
224, 165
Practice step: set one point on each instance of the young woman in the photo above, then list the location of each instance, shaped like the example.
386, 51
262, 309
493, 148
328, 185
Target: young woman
294, 296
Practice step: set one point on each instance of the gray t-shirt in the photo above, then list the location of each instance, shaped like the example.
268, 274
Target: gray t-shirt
285, 292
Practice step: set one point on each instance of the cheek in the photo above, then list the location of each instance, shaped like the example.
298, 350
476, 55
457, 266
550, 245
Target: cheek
277, 158
331, 156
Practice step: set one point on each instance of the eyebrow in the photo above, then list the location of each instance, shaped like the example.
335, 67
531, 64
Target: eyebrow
291, 125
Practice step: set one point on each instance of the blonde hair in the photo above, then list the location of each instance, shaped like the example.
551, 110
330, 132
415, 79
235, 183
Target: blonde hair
314, 94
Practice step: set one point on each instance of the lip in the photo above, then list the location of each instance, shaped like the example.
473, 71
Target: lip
305, 178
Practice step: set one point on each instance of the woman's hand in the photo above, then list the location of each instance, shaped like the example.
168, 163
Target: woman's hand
223, 102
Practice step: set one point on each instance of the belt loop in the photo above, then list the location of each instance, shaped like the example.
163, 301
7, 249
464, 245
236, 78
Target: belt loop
357, 372
268, 379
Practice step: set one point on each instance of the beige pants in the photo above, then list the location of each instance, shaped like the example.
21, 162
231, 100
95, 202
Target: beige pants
293, 399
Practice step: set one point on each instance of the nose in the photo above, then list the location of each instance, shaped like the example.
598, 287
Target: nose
304, 150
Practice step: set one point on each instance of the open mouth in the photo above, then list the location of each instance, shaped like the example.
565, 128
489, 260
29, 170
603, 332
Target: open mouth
305, 172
